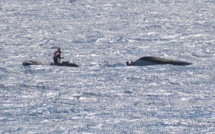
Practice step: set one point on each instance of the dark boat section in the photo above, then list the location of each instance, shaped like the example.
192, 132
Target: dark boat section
65, 63
150, 60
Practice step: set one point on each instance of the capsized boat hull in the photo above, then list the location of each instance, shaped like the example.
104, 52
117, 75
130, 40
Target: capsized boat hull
65, 63
150, 60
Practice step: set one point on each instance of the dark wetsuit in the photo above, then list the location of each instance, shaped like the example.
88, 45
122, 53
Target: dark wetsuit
56, 56
55, 60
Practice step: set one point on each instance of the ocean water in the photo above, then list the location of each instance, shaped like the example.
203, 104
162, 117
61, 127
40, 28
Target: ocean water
104, 95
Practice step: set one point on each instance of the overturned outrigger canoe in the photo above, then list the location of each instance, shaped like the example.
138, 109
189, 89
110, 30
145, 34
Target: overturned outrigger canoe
151, 60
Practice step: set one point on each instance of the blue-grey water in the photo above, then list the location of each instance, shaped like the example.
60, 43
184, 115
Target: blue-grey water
104, 95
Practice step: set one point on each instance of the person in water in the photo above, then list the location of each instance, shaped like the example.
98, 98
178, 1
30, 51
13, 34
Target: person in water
57, 56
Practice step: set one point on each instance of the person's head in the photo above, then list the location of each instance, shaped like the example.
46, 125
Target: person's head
58, 49
129, 63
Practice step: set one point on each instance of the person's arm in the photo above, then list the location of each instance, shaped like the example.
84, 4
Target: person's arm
55, 53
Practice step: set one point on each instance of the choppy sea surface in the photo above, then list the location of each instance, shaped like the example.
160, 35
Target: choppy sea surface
104, 95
